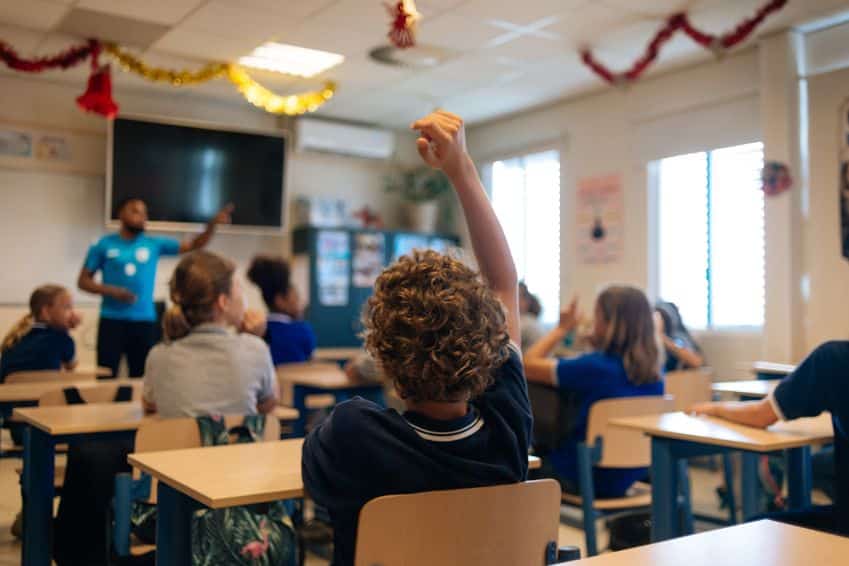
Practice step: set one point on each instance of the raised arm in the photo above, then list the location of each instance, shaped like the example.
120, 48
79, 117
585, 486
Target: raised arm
202, 239
442, 145
539, 365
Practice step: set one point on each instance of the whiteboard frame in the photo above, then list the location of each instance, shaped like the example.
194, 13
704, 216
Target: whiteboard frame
194, 227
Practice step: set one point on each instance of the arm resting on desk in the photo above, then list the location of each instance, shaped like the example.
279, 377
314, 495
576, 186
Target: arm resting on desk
758, 414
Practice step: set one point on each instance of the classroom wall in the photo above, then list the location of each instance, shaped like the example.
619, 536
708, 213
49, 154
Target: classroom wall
49, 107
711, 105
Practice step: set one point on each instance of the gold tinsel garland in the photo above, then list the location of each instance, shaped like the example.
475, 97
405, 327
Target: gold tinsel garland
290, 105
253, 92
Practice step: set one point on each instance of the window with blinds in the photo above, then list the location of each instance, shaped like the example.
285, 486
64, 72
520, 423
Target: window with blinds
711, 236
525, 194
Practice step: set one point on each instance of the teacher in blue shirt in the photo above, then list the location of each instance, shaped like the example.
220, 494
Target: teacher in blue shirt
127, 261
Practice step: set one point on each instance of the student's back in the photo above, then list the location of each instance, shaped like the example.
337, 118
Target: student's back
290, 341
441, 332
212, 371
364, 451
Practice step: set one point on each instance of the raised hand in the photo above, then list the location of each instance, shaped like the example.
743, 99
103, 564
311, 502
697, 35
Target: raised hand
571, 316
225, 215
442, 141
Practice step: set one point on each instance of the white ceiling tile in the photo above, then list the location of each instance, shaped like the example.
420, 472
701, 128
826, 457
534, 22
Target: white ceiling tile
455, 32
660, 8
24, 41
236, 21
522, 13
158, 11
359, 73
204, 46
591, 22
292, 10
32, 14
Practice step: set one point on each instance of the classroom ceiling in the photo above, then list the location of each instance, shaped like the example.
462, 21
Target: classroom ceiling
505, 55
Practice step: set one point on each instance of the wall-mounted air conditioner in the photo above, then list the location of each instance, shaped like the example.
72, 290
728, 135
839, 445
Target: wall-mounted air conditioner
334, 137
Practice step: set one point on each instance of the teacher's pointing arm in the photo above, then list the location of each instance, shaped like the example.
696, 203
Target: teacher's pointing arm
202, 239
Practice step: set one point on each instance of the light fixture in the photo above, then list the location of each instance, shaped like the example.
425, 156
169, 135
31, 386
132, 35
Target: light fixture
291, 59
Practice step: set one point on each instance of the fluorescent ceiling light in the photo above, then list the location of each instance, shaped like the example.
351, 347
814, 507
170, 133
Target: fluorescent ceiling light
291, 59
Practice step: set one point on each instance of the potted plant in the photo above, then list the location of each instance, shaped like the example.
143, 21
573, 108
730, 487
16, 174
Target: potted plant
420, 189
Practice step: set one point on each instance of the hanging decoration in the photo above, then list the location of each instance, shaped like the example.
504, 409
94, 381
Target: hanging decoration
716, 43
775, 178
405, 18
64, 60
98, 96
290, 105
133, 64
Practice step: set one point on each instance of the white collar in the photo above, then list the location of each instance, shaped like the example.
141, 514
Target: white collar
279, 317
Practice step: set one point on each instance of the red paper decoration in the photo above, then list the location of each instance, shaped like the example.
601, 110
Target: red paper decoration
68, 58
402, 32
681, 22
98, 95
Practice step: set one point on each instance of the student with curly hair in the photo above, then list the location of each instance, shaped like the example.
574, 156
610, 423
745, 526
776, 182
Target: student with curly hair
448, 338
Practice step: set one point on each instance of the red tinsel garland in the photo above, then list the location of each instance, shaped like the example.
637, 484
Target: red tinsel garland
673, 24
68, 58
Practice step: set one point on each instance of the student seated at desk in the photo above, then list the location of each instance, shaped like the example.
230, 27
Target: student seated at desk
682, 350
820, 383
626, 363
206, 367
291, 339
442, 333
40, 340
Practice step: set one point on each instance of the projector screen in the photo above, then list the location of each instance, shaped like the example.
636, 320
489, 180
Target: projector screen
186, 173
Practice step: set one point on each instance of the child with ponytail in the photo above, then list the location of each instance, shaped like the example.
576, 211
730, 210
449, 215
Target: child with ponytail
40, 340
206, 366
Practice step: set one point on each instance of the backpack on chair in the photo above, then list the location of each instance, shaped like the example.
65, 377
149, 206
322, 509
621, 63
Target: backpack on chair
260, 535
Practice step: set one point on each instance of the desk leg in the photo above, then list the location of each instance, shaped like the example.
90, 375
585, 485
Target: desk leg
37, 494
173, 527
685, 506
664, 491
751, 484
299, 400
799, 478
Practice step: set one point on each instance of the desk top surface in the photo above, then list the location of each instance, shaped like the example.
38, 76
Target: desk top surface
747, 388
324, 375
763, 543
83, 419
773, 368
714, 431
32, 392
217, 476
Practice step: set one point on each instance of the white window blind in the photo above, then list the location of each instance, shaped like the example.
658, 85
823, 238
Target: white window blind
711, 236
526, 198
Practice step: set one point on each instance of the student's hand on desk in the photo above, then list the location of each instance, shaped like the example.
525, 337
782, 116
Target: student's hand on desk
442, 142
254, 322
706, 409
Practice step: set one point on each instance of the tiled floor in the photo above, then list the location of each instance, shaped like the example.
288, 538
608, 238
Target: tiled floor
704, 501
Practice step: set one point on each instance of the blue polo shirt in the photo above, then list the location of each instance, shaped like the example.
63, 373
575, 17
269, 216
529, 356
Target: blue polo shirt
821, 383
289, 340
595, 377
42, 348
363, 451
130, 264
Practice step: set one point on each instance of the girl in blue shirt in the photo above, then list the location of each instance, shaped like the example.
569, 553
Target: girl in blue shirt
40, 340
290, 338
625, 362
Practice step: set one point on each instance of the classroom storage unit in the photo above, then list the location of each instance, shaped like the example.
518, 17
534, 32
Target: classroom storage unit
335, 269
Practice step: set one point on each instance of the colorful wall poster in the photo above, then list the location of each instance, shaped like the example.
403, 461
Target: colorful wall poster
333, 268
369, 258
600, 219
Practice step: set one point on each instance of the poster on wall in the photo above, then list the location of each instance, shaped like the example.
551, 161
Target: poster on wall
333, 268
369, 254
600, 219
14, 143
52, 148
843, 182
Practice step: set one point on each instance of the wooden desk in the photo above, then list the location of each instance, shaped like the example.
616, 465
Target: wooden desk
47, 426
754, 388
30, 393
676, 437
763, 543
322, 378
216, 477
336, 354
770, 370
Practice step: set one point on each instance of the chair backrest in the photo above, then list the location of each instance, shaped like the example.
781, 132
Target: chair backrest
500, 525
621, 447
689, 386
158, 435
102, 393
50, 375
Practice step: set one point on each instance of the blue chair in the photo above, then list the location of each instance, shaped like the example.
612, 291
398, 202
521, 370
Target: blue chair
613, 447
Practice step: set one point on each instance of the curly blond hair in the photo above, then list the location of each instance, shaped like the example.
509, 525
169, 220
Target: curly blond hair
435, 328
